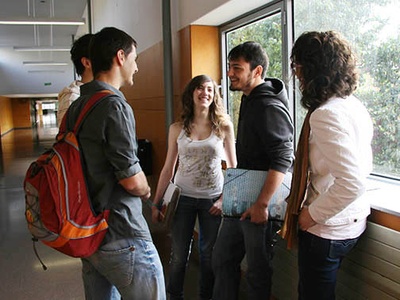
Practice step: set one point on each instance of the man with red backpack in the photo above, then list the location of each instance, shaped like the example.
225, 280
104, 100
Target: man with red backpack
127, 257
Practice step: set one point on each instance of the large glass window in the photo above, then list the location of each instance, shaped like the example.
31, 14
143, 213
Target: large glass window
372, 27
267, 31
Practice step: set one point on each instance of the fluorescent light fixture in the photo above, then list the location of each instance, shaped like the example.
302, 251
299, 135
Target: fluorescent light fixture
44, 63
46, 71
41, 21
43, 48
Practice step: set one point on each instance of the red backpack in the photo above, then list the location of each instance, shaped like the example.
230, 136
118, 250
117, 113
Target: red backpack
58, 207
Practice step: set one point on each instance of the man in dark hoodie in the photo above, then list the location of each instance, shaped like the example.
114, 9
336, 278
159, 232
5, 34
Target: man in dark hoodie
264, 142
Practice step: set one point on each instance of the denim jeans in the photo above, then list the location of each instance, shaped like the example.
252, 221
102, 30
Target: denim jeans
182, 237
235, 239
319, 260
132, 266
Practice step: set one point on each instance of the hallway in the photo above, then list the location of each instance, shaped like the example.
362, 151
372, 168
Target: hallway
22, 276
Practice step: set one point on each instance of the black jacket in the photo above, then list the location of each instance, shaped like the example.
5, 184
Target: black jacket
265, 129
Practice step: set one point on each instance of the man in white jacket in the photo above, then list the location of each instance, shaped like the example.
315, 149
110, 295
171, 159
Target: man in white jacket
80, 58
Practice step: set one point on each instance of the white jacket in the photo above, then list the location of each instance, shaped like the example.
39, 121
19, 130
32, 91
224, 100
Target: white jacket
340, 161
68, 95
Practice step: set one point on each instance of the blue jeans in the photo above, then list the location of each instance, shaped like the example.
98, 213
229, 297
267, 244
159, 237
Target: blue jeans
319, 260
182, 237
131, 265
235, 239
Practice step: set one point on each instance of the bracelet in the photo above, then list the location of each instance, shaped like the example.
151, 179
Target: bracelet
158, 205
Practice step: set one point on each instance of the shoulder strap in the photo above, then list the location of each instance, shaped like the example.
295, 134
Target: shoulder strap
96, 97
89, 106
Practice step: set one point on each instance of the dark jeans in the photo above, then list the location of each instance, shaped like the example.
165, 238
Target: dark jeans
235, 239
182, 237
319, 260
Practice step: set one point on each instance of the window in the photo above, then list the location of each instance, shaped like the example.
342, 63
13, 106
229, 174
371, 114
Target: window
371, 26
49, 105
266, 29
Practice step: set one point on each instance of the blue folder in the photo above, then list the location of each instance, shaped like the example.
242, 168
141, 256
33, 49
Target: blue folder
241, 190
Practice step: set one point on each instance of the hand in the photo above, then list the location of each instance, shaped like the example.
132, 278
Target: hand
305, 219
216, 209
147, 195
258, 213
156, 215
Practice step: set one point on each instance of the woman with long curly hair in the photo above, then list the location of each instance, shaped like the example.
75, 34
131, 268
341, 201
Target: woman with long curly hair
199, 142
338, 159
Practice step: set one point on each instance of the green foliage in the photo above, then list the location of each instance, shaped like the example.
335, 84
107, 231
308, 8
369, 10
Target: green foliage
364, 24
381, 92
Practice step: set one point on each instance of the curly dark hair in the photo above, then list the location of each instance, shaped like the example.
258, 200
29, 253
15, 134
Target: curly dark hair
217, 114
326, 67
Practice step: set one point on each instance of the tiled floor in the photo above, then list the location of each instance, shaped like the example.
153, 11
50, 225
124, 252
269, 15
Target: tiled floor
22, 277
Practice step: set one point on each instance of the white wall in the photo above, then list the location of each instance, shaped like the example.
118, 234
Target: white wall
214, 12
189, 11
18, 79
141, 19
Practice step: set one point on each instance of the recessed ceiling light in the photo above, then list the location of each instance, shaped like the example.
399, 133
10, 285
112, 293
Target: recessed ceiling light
44, 63
43, 48
46, 71
41, 21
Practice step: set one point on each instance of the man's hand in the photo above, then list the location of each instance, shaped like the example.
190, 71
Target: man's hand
258, 213
147, 195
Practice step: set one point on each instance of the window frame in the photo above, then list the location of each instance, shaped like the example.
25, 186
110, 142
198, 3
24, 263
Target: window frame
285, 7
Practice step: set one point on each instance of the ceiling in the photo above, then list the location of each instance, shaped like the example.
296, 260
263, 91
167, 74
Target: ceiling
22, 80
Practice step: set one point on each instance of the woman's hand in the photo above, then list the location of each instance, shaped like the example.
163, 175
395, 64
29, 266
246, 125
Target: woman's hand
305, 219
156, 215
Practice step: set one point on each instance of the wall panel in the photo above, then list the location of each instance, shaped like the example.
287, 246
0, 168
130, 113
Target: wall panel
149, 81
21, 113
206, 58
184, 61
370, 271
147, 99
6, 115
150, 125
